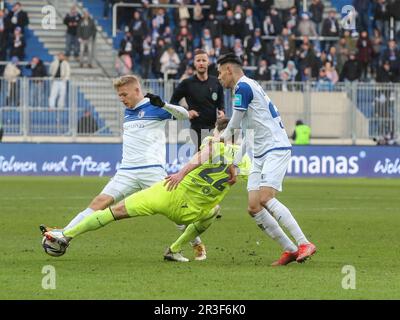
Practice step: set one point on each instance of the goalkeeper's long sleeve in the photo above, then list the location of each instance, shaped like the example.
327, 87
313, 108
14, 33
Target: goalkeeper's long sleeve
179, 113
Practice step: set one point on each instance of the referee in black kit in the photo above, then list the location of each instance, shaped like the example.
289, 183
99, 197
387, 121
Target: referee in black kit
204, 96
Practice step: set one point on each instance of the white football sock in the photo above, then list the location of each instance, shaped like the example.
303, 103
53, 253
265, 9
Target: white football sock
196, 241
269, 225
284, 216
78, 218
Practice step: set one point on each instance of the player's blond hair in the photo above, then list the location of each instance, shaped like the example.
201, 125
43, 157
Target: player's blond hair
124, 80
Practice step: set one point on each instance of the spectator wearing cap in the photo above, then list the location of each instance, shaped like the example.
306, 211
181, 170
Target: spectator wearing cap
11, 74
71, 20
18, 17
18, 44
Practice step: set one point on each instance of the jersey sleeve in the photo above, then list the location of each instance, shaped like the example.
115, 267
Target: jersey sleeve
243, 96
163, 114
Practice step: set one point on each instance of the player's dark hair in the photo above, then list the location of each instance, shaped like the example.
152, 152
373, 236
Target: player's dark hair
222, 124
229, 58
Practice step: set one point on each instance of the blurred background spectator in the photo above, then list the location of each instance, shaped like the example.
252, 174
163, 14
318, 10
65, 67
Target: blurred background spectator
87, 123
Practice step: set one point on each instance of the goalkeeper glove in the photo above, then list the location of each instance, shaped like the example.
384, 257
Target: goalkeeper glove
155, 100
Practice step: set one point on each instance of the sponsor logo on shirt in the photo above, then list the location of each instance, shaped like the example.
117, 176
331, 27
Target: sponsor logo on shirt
237, 100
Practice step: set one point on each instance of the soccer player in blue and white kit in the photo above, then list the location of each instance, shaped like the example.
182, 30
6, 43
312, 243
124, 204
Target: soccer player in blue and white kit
144, 150
256, 115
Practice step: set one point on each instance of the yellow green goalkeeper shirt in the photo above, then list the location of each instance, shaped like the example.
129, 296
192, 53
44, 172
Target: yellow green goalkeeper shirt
207, 185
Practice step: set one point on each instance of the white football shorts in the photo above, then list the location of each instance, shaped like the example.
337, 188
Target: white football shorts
269, 170
128, 181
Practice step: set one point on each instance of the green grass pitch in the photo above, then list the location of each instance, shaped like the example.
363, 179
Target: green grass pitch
352, 221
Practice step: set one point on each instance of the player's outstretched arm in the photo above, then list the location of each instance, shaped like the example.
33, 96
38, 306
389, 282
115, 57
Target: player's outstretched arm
179, 113
197, 160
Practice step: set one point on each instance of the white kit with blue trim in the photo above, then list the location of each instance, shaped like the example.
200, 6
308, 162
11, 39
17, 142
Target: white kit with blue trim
261, 116
144, 136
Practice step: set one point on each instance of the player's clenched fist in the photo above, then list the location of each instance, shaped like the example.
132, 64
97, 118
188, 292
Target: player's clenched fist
155, 100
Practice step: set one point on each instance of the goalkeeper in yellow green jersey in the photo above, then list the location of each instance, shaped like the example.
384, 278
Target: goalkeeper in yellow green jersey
189, 197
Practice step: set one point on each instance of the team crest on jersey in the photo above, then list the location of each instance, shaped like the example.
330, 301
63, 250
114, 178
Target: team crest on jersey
141, 114
214, 96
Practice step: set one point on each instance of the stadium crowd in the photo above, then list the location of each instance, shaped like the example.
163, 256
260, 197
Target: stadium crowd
276, 39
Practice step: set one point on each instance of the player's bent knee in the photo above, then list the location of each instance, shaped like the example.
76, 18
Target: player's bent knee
119, 211
101, 202
253, 209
